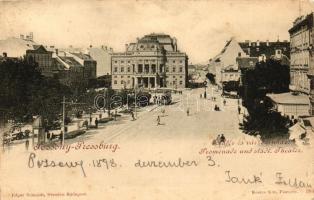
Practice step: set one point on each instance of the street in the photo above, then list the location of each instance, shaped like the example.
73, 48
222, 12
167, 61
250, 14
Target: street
202, 123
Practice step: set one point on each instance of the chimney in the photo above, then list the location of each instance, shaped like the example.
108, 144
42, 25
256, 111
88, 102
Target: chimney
106, 48
249, 43
267, 42
22, 36
57, 51
126, 47
111, 49
102, 46
257, 43
90, 46
5, 54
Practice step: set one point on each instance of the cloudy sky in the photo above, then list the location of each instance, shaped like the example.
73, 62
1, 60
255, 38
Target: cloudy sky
201, 27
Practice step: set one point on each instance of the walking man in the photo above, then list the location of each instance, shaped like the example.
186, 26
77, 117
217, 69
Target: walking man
132, 114
96, 122
26, 144
224, 102
188, 112
239, 109
158, 120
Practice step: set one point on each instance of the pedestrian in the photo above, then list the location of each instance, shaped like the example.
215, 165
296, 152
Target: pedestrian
90, 119
224, 102
26, 144
96, 122
239, 109
200, 95
61, 136
158, 120
188, 111
222, 139
115, 115
217, 140
132, 114
85, 123
163, 111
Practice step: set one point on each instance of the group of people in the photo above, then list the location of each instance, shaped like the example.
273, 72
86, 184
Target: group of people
85, 123
221, 139
216, 108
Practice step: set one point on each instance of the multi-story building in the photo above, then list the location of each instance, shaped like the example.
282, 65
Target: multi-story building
301, 39
103, 57
226, 59
43, 58
230, 74
154, 61
74, 69
265, 50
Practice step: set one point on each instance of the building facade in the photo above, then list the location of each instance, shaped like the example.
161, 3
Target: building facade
230, 74
74, 69
301, 39
226, 59
102, 55
154, 61
265, 50
43, 58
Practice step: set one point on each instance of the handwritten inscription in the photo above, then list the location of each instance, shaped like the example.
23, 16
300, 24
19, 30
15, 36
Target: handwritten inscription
230, 176
254, 179
291, 182
160, 164
45, 163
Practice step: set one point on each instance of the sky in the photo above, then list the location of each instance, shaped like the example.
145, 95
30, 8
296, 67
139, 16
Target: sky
201, 27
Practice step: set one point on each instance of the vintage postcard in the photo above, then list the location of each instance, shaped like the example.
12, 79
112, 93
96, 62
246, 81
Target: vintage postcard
157, 99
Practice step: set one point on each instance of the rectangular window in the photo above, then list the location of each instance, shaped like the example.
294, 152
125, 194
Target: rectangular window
140, 68
129, 69
116, 69
146, 68
174, 69
167, 69
115, 82
180, 69
181, 82
153, 68
122, 81
122, 69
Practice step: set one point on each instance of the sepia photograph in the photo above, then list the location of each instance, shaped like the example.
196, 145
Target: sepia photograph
157, 99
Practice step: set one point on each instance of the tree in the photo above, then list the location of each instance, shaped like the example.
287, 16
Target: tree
267, 77
211, 78
24, 92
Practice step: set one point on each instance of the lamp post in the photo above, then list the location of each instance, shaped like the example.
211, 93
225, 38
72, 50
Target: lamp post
63, 116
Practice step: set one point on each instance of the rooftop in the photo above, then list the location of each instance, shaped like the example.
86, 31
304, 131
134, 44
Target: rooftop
289, 98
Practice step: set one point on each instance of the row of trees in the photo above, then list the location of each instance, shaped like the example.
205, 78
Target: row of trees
24, 92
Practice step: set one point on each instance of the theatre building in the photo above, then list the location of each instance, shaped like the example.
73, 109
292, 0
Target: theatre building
154, 61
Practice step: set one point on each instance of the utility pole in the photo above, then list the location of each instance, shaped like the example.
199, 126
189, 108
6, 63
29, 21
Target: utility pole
63, 115
63, 119
135, 101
